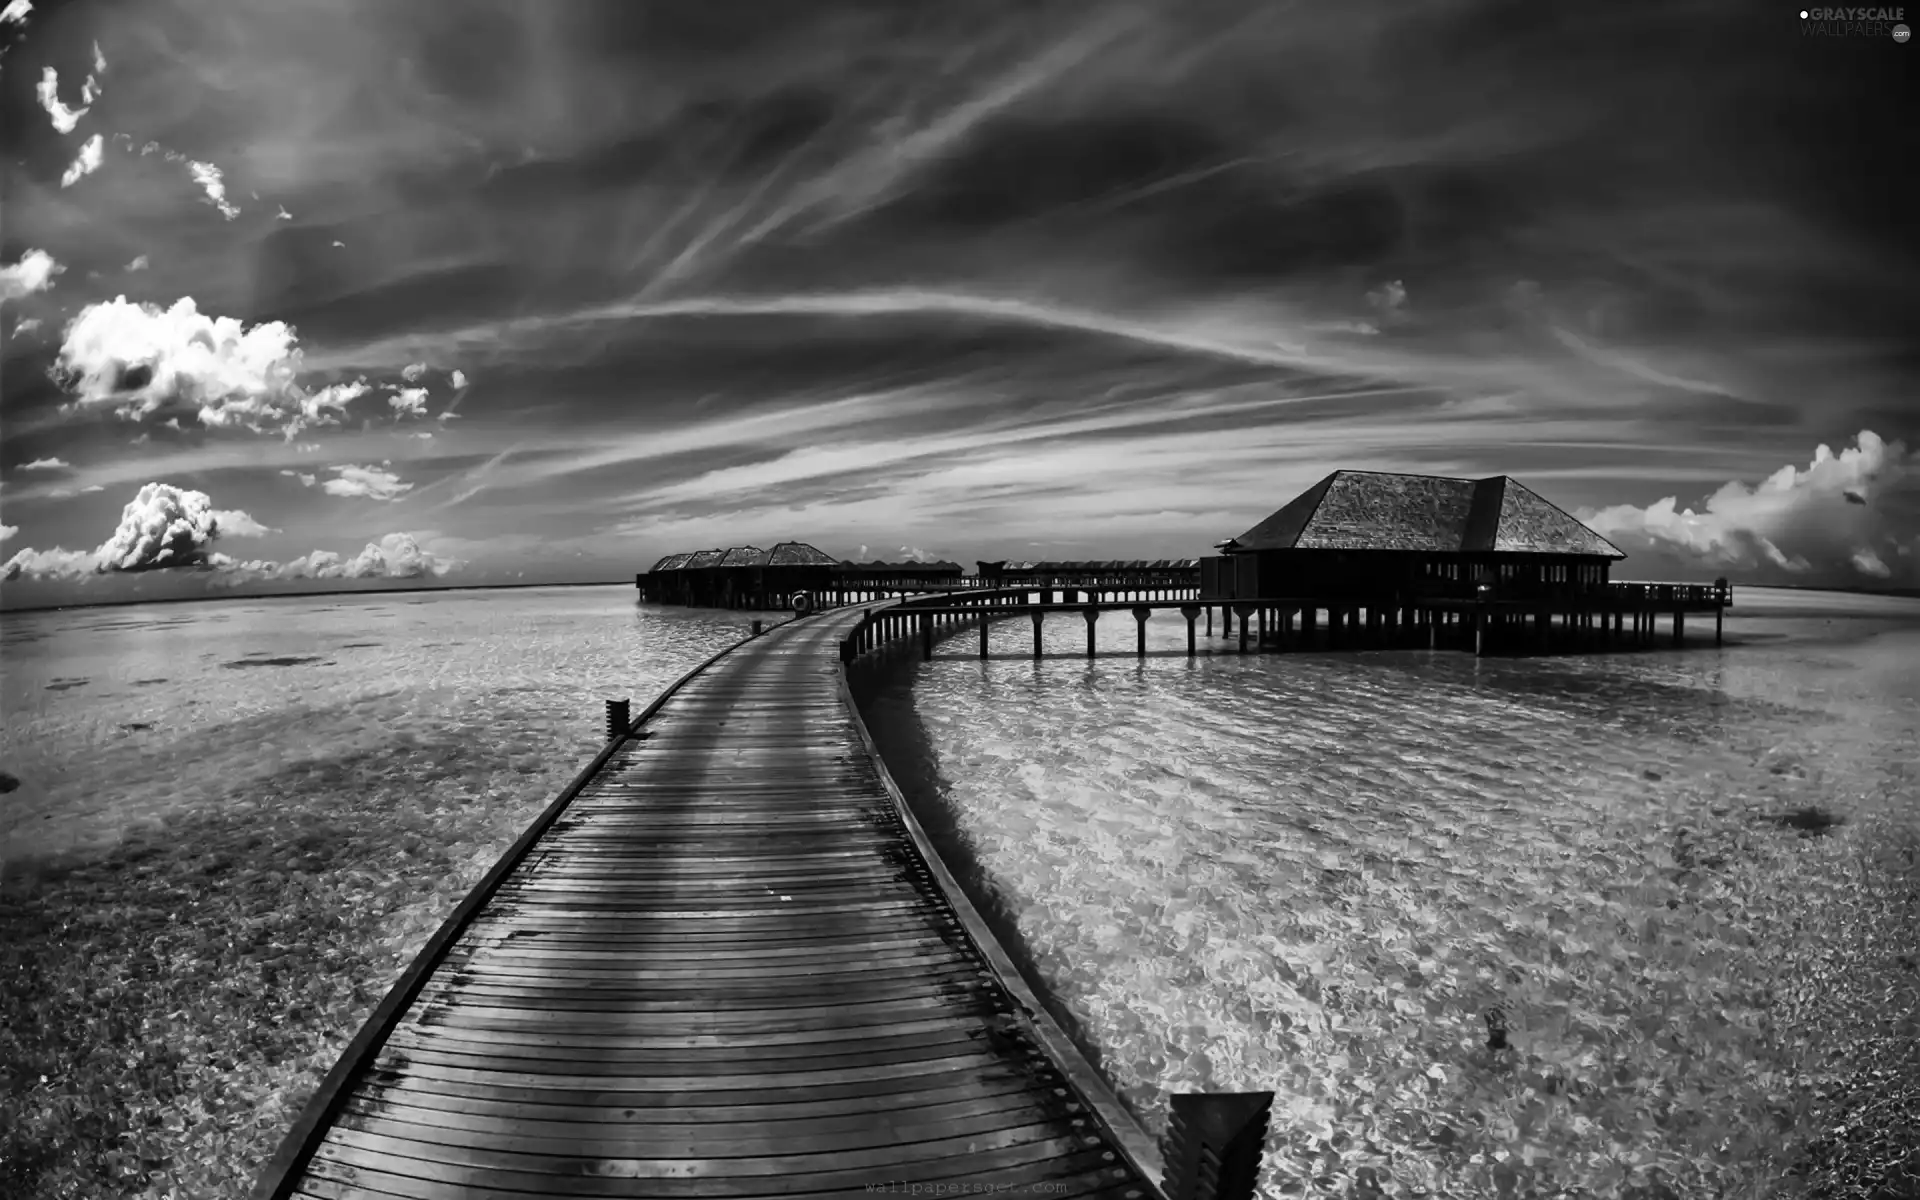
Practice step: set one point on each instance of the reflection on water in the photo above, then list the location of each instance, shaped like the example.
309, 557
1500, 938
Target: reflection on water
1315, 873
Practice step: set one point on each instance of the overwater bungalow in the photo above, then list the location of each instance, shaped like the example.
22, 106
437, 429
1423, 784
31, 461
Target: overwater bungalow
740, 577
1135, 576
1437, 560
747, 577
1356, 532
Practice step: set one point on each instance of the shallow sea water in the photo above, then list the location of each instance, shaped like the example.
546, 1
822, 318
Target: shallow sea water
1305, 873
1314, 873
118, 716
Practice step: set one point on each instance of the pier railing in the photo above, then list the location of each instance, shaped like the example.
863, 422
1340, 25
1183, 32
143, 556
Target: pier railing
1485, 622
1214, 1140
1664, 595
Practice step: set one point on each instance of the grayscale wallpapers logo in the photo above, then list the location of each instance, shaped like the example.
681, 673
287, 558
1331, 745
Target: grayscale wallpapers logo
1855, 22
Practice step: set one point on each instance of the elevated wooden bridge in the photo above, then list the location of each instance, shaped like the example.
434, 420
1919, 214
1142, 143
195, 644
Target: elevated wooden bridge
726, 961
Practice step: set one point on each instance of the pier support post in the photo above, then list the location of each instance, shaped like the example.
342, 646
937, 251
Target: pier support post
756, 628
1719, 615
1209, 620
1092, 614
1192, 613
1243, 611
926, 636
1038, 616
619, 717
1679, 626
1213, 1145
1140, 615
983, 634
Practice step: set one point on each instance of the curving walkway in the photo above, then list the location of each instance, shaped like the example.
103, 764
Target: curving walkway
726, 969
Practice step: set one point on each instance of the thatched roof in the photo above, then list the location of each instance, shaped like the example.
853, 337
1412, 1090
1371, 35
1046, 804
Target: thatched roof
672, 562
743, 556
798, 554
1375, 510
702, 558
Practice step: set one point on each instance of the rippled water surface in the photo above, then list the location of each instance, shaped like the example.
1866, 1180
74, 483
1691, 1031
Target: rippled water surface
121, 715
1315, 874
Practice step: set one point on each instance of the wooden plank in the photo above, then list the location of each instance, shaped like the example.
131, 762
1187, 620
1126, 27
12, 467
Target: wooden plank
1037, 1145
724, 968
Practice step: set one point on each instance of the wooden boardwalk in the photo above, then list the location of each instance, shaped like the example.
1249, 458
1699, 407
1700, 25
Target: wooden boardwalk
726, 966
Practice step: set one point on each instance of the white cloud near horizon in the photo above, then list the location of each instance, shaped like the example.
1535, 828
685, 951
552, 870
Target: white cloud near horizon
394, 556
162, 526
1826, 518
166, 527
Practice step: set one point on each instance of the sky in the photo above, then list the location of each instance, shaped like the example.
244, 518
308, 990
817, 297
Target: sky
323, 293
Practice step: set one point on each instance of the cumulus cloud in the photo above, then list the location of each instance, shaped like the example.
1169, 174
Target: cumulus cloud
413, 371
7, 531
209, 178
373, 483
16, 12
64, 119
33, 273
305, 479
162, 527
138, 264
914, 554
409, 402
1829, 519
84, 163
46, 464
142, 359
394, 556
458, 378
283, 214
25, 325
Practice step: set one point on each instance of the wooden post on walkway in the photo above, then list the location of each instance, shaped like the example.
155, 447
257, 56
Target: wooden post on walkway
1092, 614
1213, 1144
1243, 611
1192, 613
1140, 615
619, 718
1038, 616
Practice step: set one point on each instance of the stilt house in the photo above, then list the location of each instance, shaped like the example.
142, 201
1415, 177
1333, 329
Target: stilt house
1368, 535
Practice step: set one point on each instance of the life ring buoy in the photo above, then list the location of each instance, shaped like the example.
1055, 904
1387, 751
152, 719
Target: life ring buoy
802, 603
